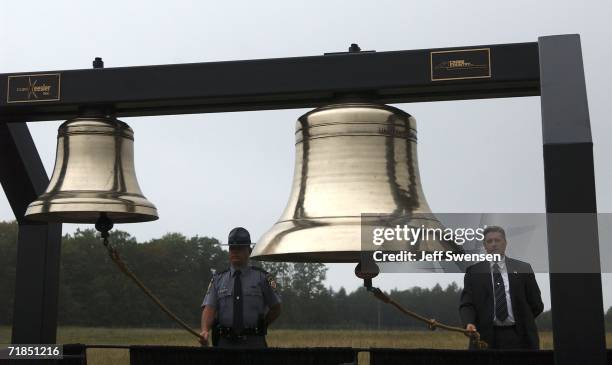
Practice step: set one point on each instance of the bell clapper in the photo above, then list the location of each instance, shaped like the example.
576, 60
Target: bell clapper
104, 225
367, 272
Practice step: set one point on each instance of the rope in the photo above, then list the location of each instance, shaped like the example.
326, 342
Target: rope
114, 255
432, 324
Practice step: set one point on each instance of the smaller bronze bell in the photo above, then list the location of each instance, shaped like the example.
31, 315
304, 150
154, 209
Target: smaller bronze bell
93, 175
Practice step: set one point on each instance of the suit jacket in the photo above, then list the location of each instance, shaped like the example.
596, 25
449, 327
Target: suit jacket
477, 300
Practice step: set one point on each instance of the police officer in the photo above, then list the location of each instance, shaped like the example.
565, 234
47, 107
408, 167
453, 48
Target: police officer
241, 301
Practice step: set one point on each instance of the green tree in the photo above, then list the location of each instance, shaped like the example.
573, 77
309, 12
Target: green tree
93, 292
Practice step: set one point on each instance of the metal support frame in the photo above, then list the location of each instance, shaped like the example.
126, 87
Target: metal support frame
23, 178
280, 83
578, 320
552, 68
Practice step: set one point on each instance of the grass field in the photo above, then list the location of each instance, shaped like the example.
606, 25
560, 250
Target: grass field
276, 338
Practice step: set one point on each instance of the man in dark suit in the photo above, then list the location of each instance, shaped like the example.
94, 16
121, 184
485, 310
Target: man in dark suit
501, 299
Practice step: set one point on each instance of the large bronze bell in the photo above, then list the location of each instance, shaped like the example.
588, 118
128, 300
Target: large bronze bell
93, 175
351, 159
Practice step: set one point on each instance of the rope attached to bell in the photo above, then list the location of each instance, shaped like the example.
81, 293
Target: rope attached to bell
432, 324
104, 225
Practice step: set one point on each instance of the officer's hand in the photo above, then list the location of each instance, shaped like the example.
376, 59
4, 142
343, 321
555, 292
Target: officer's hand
470, 327
204, 338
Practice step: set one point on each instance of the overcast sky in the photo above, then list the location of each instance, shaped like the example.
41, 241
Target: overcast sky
208, 173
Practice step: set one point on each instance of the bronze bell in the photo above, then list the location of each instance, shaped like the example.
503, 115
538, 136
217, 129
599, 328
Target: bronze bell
351, 159
93, 174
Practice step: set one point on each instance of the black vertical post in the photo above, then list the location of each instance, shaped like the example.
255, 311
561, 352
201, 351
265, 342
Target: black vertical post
23, 178
577, 305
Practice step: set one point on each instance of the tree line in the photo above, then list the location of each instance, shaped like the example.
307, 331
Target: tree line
93, 292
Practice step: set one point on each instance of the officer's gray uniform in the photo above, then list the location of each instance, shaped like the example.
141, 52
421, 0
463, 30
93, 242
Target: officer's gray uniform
259, 292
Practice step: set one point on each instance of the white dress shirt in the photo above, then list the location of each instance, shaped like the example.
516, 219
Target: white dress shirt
504, 272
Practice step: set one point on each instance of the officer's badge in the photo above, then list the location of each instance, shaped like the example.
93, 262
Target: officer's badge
271, 281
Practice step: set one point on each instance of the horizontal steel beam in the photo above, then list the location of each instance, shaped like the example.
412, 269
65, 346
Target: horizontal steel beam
299, 82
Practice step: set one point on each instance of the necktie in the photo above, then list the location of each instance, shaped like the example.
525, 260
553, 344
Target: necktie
501, 307
238, 323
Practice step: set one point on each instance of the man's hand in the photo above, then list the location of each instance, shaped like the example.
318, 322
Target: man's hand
471, 328
208, 319
273, 314
204, 338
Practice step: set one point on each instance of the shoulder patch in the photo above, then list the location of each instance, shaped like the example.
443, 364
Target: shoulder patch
271, 281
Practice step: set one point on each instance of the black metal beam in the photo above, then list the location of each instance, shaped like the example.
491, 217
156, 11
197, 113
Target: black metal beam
299, 82
23, 178
577, 304
22, 173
